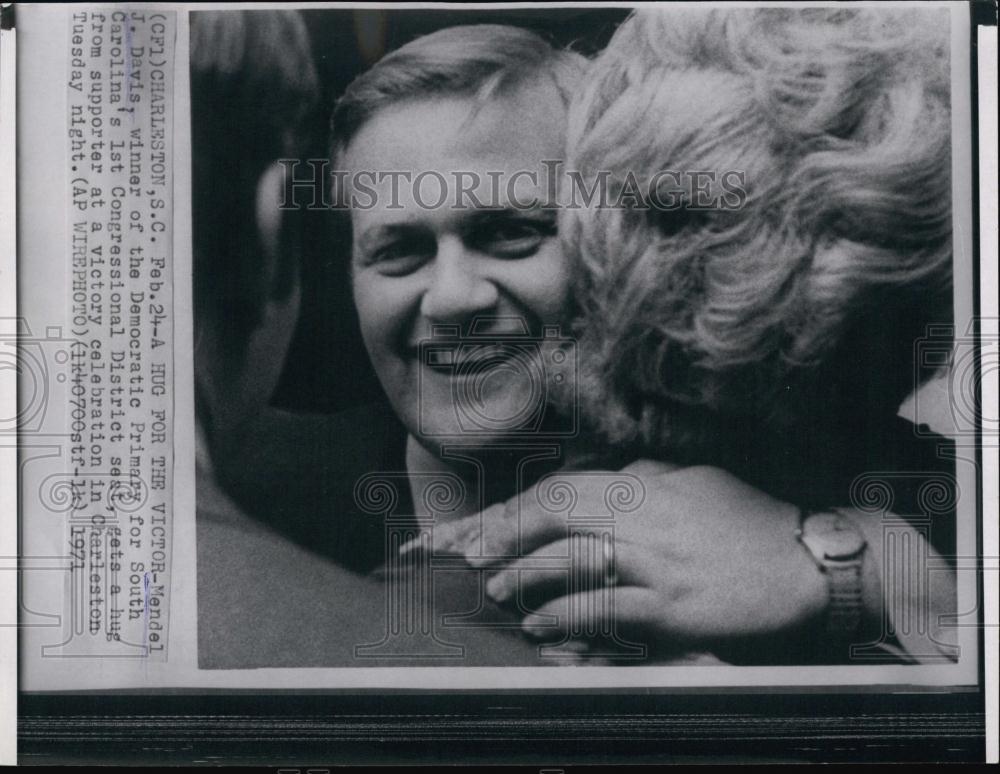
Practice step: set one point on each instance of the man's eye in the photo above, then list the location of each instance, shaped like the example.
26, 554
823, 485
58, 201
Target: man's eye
514, 239
399, 259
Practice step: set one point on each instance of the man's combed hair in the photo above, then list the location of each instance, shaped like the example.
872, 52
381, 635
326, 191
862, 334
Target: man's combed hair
477, 60
802, 306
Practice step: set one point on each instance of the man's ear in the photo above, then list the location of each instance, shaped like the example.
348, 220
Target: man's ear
280, 267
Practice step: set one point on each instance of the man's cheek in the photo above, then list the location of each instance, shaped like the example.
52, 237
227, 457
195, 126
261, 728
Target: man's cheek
369, 299
548, 293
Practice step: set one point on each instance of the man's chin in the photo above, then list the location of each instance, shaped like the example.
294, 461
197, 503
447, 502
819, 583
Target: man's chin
502, 417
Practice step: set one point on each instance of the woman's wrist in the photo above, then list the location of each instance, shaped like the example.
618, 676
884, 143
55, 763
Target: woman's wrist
891, 595
838, 550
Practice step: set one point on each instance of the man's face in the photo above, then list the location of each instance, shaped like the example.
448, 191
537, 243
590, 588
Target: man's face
416, 265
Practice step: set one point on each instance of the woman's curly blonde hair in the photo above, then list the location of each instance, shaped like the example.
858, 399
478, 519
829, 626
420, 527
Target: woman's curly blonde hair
802, 306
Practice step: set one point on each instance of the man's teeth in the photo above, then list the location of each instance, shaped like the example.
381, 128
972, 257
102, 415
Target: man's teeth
476, 354
439, 358
447, 358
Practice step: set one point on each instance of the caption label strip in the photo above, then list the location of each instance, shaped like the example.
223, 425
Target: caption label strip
120, 174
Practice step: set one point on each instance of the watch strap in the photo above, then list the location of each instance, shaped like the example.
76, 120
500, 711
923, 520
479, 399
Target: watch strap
843, 616
840, 561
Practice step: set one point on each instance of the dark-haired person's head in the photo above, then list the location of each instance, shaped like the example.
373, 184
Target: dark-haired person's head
253, 91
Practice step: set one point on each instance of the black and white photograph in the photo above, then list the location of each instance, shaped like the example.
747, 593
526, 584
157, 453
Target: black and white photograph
498, 383
572, 337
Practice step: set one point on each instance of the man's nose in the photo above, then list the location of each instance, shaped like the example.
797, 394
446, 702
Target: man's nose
458, 289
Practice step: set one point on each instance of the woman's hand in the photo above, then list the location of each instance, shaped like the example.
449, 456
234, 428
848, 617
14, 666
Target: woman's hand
696, 556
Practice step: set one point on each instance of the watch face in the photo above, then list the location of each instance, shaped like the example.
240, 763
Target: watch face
834, 536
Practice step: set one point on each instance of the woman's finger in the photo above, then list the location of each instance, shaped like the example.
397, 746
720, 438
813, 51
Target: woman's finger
581, 562
609, 612
511, 530
546, 511
449, 537
541, 514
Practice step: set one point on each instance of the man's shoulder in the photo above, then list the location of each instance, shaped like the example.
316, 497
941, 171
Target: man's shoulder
363, 432
298, 473
265, 601
286, 449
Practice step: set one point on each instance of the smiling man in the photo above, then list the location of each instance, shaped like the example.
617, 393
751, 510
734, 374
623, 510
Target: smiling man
281, 537
446, 141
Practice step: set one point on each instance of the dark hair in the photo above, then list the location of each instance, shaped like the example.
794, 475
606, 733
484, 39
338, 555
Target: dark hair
253, 89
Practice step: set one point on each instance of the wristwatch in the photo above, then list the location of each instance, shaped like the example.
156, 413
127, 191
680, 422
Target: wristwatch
838, 548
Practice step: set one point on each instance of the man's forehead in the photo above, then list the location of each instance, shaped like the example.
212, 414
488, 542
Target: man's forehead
519, 124
442, 157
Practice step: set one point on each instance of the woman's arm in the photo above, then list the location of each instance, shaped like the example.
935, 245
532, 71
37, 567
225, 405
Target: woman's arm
704, 560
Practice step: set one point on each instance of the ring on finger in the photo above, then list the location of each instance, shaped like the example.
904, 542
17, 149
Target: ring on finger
608, 554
